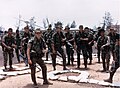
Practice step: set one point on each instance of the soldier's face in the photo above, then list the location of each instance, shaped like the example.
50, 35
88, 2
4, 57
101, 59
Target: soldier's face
80, 29
58, 29
10, 32
38, 35
26, 30
102, 33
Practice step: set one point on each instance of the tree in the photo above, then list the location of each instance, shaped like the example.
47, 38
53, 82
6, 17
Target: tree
107, 20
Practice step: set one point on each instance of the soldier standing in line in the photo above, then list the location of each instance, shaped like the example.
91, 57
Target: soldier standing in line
57, 43
25, 38
112, 36
104, 44
48, 40
81, 42
1, 41
17, 42
8, 42
90, 43
116, 60
98, 47
35, 52
69, 47
3, 49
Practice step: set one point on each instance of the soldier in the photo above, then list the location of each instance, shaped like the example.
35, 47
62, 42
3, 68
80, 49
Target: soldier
8, 42
69, 45
116, 61
81, 42
57, 43
98, 47
112, 36
90, 43
35, 52
48, 38
104, 42
26, 36
17, 42
1, 41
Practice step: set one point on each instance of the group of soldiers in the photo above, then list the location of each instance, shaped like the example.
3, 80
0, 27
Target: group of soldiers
33, 46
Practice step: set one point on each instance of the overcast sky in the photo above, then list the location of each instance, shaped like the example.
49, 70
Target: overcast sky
86, 12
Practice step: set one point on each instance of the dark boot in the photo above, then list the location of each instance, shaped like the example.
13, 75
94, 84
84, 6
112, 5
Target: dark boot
90, 62
110, 78
54, 68
47, 83
35, 85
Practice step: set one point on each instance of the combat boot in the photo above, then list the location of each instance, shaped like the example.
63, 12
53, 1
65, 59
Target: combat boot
108, 80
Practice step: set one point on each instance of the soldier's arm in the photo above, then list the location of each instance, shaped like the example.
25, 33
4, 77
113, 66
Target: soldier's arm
28, 53
13, 43
63, 37
108, 42
85, 38
3, 42
72, 38
52, 44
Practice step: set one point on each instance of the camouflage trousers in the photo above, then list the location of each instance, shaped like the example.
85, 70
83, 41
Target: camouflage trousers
105, 60
41, 63
8, 55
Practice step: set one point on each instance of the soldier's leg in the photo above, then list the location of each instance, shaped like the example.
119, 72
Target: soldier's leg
5, 55
33, 76
44, 69
112, 72
47, 55
85, 56
112, 48
107, 61
98, 54
61, 51
103, 61
33, 70
10, 59
54, 61
72, 56
68, 56
78, 57
17, 54
26, 60
90, 54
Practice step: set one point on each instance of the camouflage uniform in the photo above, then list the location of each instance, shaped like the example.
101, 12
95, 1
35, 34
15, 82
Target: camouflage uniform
105, 51
115, 64
69, 49
57, 42
89, 46
24, 41
98, 47
48, 40
17, 42
112, 42
9, 41
81, 45
36, 55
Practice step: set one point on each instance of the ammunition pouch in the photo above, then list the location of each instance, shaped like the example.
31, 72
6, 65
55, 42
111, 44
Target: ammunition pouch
34, 54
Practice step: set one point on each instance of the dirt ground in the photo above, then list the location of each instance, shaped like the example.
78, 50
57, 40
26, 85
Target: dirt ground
24, 81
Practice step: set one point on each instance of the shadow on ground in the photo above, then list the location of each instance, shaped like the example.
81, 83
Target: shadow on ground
39, 86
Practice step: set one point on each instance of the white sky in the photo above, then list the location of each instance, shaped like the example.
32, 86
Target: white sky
86, 12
